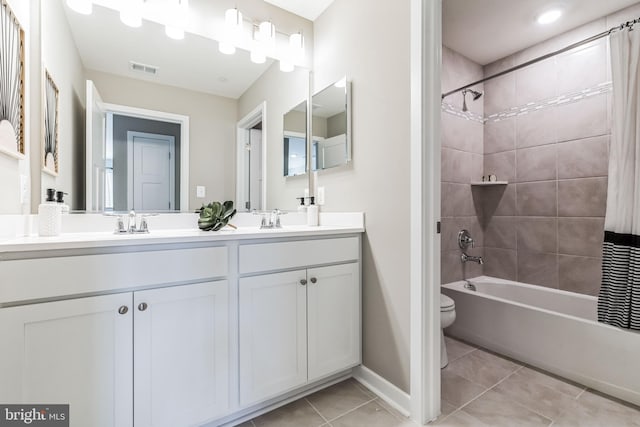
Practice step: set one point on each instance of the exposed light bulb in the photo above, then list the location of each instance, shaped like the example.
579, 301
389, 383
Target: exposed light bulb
549, 16
84, 7
286, 65
131, 13
178, 19
232, 31
257, 55
267, 36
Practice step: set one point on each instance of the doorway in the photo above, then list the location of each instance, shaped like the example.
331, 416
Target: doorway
251, 182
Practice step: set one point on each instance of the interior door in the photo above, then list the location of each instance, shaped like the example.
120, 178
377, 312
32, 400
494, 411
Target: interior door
255, 169
95, 143
151, 165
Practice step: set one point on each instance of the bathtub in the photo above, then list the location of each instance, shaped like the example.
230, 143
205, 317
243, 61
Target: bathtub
550, 329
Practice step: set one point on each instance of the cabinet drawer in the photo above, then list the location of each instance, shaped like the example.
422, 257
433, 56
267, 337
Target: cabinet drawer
284, 255
51, 277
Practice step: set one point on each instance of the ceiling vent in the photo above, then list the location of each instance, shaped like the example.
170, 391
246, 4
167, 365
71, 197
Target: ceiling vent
143, 68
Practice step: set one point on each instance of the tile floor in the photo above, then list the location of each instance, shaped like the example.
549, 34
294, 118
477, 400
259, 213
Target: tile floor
479, 389
482, 389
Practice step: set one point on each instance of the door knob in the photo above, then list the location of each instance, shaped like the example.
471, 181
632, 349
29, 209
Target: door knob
142, 306
123, 309
303, 282
314, 280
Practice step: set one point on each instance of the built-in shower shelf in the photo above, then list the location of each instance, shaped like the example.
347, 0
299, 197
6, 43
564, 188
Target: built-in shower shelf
488, 183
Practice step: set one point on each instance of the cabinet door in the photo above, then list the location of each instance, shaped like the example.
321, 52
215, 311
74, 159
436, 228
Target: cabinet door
333, 297
75, 351
181, 354
273, 340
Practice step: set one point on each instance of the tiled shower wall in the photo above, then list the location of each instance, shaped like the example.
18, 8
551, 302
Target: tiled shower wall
462, 157
546, 226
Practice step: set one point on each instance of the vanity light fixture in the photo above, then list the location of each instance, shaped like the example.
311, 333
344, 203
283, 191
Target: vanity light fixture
178, 19
232, 31
258, 55
549, 16
267, 37
131, 13
84, 7
296, 46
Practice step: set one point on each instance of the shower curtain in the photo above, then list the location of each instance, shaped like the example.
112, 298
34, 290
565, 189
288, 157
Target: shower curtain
619, 299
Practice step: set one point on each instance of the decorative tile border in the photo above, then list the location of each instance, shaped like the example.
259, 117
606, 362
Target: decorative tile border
569, 98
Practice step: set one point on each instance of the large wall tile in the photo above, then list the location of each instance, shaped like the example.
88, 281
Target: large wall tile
501, 233
455, 166
580, 274
583, 158
457, 200
458, 70
582, 119
501, 263
499, 136
537, 234
477, 167
499, 200
500, 94
536, 128
580, 236
502, 165
538, 268
536, 199
537, 164
572, 65
453, 269
536, 82
582, 197
461, 134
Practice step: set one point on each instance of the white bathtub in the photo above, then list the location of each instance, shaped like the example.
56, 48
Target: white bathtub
551, 329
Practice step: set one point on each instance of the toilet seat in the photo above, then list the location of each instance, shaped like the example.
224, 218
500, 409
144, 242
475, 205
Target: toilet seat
446, 303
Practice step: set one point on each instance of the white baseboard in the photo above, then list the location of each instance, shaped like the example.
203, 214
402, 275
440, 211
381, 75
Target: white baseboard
388, 392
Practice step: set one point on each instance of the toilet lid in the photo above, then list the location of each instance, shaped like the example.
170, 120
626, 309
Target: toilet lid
446, 302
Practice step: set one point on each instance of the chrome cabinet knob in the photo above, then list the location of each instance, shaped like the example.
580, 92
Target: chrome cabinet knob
123, 309
142, 306
314, 280
303, 282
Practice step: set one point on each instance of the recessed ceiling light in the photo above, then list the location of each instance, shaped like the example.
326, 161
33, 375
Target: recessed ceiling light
549, 16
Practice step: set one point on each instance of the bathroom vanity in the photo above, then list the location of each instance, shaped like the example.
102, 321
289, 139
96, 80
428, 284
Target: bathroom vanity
178, 327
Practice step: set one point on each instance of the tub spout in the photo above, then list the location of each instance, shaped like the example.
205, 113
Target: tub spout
472, 258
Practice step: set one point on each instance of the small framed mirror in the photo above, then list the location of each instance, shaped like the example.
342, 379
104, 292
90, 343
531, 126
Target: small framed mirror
295, 140
331, 141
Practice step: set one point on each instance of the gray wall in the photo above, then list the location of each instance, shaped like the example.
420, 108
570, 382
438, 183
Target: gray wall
212, 121
123, 124
337, 124
377, 181
461, 156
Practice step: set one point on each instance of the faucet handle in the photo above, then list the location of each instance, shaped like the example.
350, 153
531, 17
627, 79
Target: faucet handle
144, 227
120, 228
132, 222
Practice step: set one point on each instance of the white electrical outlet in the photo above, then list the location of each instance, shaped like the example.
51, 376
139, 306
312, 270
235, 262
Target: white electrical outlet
320, 198
24, 189
200, 192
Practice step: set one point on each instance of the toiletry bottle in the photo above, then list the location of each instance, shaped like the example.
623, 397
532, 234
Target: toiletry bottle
49, 215
312, 213
60, 200
302, 208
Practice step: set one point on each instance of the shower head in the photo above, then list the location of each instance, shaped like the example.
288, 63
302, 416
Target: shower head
476, 95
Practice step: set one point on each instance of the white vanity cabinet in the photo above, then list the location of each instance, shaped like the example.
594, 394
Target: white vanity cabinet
297, 326
165, 349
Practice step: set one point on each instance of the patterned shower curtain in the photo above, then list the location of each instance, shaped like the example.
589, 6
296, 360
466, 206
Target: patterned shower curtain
619, 299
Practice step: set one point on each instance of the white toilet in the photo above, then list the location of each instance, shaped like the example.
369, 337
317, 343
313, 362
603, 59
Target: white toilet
447, 317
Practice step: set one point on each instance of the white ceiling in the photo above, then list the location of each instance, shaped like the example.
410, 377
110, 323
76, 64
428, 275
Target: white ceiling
105, 44
488, 30
309, 9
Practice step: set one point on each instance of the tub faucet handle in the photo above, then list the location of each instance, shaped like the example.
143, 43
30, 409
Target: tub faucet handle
465, 240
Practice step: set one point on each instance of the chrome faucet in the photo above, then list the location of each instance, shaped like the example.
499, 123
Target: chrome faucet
270, 219
465, 258
132, 227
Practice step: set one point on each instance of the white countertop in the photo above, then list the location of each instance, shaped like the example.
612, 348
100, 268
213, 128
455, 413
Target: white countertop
334, 224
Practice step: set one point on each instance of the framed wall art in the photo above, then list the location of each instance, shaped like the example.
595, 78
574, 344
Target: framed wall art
50, 133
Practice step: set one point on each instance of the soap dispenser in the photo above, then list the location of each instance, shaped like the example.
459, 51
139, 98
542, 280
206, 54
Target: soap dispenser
312, 213
49, 215
302, 208
60, 200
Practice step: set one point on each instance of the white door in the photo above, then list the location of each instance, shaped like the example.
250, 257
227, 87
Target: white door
77, 352
333, 297
255, 169
151, 166
273, 341
181, 349
95, 146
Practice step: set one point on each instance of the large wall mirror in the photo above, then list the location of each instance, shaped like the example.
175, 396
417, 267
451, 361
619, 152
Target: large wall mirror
331, 118
295, 140
161, 115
